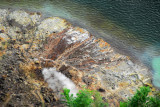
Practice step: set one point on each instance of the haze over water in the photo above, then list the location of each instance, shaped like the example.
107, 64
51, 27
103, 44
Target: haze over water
131, 26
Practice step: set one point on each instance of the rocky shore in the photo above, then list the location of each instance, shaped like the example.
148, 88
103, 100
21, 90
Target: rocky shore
29, 43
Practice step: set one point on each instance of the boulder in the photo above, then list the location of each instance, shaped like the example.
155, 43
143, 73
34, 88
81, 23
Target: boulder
19, 18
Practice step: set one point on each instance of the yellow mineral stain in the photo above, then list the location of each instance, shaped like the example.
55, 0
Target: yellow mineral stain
104, 50
153, 89
16, 46
131, 91
1, 39
117, 56
80, 29
150, 93
123, 84
148, 84
1, 53
102, 43
128, 58
24, 46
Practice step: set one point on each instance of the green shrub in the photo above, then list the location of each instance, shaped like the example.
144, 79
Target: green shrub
141, 99
83, 99
88, 98
68, 99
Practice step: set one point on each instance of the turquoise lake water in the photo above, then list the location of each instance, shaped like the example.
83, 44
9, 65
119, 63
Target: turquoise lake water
131, 26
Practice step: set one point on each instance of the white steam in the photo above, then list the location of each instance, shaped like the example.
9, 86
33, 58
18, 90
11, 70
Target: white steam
57, 81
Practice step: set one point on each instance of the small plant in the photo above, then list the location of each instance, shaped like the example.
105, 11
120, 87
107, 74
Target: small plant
68, 99
85, 98
141, 99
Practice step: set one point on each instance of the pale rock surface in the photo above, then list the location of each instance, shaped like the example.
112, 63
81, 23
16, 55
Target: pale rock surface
3, 15
76, 34
35, 18
51, 25
21, 17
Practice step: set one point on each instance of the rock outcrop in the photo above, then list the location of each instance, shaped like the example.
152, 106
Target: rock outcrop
73, 51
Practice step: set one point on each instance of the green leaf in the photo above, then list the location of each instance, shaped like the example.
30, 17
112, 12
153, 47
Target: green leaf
83, 99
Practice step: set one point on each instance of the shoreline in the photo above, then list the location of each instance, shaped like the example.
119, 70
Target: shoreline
120, 47
56, 8
73, 51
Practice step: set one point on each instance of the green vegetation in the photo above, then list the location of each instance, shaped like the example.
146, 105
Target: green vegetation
85, 98
141, 99
88, 98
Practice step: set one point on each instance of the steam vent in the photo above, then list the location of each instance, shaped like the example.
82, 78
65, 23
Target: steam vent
30, 43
